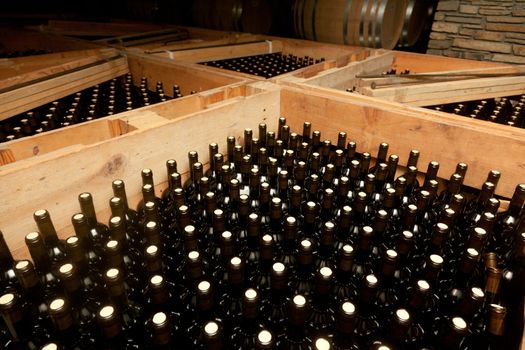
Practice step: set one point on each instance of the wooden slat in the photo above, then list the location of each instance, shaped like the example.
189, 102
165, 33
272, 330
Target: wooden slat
419, 63
55, 182
34, 95
223, 52
16, 39
111, 29
27, 69
450, 91
343, 78
438, 136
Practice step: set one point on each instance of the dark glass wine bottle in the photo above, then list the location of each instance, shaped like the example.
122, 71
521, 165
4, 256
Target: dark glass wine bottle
248, 326
65, 329
274, 307
295, 335
322, 315
113, 333
7, 263
55, 246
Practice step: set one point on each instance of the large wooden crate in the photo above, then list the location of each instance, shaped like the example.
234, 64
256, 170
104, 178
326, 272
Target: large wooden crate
333, 55
53, 182
45, 80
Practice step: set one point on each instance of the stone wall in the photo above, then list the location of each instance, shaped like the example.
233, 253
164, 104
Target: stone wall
479, 30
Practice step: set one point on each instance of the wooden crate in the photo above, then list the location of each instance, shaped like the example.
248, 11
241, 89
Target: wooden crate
196, 38
334, 55
41, 84
18, 39
53, 182
440, 80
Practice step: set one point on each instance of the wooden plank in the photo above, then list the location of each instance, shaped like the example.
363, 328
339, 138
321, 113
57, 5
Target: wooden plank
439, 136
419, 63
16, 39
55, 183
189, 77
111, 29
343, 78
450, 91
195, 42
26, 69
34, 95
223, 52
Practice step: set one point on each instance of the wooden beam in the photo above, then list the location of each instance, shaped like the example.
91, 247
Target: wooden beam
426, 94
27, 97
223, 52
345, 77
21, 70
439, 136
419, 63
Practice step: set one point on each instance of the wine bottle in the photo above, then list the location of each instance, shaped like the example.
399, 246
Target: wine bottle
65, 329
7, 263
56, 249
113, 334
247, 328
274, 306
295, 335
322, 315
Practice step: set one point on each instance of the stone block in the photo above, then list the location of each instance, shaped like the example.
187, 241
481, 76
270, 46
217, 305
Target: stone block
439, 44
464, 19
473, 26
506, 27
494, 12
518, 50
445, 27
470, 9
452, 5
434, 52
508, 58
519, 12
452, 53
482, 45
478, 56
515, 41
491, 36
467, 31
504, 19
438, 36
515, 35
439, 16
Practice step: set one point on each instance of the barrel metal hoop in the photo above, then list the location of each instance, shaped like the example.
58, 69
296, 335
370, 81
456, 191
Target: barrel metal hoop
364, 6
346, 13
301, 19
237, 16
379, 24
371, 24
313, 20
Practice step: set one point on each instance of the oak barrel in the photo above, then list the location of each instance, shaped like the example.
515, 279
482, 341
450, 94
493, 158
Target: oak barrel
251, 16
372, 23
417, 16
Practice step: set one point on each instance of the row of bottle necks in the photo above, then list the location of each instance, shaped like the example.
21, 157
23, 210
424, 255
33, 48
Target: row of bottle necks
265, 65
105, 99
505, 110
196, 217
